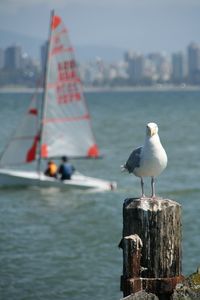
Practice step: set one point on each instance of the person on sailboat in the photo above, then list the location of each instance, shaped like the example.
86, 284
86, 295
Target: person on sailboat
66, 169
51, 169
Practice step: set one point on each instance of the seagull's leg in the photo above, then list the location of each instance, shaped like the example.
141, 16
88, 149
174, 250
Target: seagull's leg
153, 187
142, 187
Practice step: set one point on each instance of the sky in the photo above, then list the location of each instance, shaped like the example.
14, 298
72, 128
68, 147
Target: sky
141, 25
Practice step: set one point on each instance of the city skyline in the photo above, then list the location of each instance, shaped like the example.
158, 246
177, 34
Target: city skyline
136, 69
83, 54
144, 26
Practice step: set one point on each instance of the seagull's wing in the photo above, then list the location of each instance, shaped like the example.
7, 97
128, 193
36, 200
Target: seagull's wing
133, 160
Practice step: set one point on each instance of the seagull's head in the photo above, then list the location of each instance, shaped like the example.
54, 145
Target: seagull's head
152, 129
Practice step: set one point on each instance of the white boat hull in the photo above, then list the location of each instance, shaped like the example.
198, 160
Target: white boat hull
12, 178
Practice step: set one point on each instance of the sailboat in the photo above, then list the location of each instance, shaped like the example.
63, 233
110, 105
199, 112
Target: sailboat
59, 126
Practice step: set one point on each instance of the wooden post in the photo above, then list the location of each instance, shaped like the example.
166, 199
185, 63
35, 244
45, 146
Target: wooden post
151, 246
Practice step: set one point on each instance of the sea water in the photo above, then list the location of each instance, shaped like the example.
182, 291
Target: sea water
56, 244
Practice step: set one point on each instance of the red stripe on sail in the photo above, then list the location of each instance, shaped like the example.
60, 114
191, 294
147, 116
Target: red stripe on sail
56, 84
61, 48
60, 120
93, 151
44, 151
33, 111
31, 154
55, 22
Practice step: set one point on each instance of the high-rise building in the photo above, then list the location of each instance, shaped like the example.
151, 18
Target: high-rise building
1, 58
193, 52
43, 55
178, 69
135, 68
162, 65
13, 57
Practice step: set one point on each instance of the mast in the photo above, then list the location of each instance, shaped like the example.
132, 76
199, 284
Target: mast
43, 105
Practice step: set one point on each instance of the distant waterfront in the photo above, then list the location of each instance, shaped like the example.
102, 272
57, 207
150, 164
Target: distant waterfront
92, 89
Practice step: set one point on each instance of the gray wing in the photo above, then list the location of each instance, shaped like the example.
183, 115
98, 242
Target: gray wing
133, 160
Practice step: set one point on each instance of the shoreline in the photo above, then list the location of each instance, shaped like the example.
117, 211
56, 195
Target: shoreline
157, 88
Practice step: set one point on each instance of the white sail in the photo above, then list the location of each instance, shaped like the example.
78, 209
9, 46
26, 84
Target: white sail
66, 124
23, 145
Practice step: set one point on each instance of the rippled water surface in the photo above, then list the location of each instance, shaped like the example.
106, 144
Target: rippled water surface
63, 245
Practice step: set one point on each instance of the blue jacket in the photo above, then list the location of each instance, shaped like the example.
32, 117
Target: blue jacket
66, 170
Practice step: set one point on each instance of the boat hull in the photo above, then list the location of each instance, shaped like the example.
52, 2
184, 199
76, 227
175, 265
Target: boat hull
12, 178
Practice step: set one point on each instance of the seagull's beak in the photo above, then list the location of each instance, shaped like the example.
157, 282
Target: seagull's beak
151, 130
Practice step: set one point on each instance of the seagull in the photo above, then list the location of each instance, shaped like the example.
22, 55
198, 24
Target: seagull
149, 160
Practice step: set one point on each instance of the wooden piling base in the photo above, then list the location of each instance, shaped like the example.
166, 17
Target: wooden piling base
151, 246
158, 286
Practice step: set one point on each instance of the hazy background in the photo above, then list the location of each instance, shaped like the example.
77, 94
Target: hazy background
115, 25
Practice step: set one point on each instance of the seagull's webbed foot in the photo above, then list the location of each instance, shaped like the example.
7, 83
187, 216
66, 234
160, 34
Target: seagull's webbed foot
153, 195
142, 187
